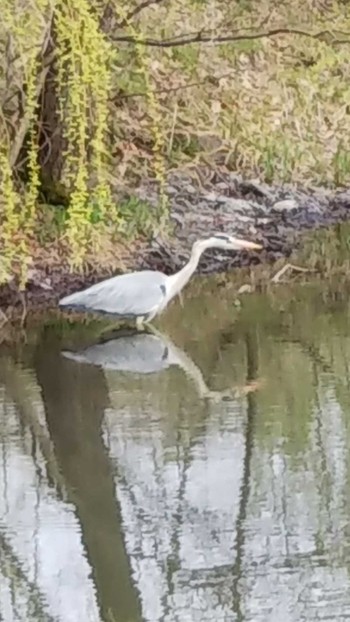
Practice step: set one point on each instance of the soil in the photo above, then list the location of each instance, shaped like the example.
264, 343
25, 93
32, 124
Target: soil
199, 205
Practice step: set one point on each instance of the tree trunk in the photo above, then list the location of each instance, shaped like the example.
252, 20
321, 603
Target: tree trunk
51, 140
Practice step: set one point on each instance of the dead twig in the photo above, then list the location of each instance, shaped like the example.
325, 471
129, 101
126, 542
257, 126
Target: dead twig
289, 266
3, 319
140, 7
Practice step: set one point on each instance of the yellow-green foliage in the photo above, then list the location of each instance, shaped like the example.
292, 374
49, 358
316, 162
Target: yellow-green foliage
18, 212
10, 220
83, 62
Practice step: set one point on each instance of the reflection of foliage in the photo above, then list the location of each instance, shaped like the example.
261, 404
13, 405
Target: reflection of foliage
298, 333
295, 338
27, 602
24, 393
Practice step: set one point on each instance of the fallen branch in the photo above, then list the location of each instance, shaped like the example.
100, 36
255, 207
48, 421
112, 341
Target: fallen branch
289, 266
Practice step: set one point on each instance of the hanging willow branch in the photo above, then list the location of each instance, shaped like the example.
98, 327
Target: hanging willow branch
27, 117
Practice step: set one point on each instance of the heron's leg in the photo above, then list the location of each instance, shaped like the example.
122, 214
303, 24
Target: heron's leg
110, 328
147, 319
140, 322
155, 331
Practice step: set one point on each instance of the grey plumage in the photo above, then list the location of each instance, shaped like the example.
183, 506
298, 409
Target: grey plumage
143, 295
141, 353
144, 353
116, 295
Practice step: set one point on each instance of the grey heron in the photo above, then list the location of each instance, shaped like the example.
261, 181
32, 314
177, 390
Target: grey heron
146, 353
143, 295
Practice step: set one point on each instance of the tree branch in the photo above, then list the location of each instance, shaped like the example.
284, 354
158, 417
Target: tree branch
25, 121
203, 37
137, 10
214, 80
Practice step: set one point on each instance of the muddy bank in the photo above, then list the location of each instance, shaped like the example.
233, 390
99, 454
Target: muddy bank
272, 215
200, 204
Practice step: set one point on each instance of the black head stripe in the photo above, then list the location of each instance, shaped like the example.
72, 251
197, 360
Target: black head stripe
222, 236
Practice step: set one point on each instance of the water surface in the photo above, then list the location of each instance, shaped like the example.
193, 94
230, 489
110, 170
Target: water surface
142, 480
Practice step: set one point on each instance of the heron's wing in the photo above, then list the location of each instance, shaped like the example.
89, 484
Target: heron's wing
136, 293
140, 353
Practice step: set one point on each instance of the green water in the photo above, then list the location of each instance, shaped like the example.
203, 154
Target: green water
156, 486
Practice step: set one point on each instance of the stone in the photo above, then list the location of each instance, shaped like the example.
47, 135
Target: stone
245, 289
286, 205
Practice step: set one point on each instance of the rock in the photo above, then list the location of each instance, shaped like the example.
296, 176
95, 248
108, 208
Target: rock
287, 205
238, 205
211, 196
245, 289
257, 188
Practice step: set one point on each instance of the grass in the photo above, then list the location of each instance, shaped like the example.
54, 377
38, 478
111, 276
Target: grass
278, 106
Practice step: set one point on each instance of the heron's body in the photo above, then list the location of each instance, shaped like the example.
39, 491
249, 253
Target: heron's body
143, 295
136, 352
102, 297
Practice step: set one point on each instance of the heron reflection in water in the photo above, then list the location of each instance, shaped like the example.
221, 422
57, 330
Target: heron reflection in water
148, 353
143, 295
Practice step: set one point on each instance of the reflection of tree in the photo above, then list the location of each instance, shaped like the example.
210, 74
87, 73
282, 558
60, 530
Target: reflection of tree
23, 392
252, 374
75, 398
323, 484
185, 445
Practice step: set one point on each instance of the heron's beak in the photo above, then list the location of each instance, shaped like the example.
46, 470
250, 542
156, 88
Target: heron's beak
244, 244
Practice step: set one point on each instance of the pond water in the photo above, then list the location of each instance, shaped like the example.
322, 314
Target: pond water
200, 473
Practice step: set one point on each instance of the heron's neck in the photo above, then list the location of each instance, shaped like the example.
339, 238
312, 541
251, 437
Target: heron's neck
179, 279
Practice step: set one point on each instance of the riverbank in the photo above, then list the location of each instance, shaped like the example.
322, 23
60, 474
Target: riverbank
200, 203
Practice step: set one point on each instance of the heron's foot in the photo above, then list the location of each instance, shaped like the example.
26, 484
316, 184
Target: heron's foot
234, 393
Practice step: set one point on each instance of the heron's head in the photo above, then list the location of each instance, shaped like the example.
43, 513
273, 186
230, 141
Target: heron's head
228, 242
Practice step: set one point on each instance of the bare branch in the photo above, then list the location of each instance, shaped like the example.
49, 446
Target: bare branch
108, 20
25, 121
137, 10
173, 89
202, 37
